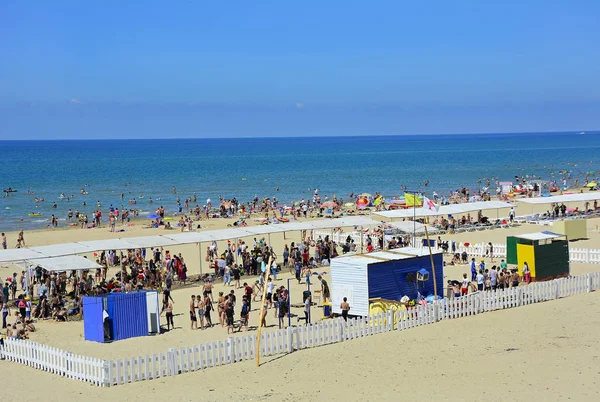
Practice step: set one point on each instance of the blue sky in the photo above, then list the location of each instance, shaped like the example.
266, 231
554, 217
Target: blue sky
153, 69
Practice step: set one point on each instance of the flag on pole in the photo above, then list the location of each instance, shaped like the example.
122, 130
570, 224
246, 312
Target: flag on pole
412, 200
430, 205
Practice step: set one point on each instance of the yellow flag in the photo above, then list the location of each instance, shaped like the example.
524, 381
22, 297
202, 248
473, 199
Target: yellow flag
412, 200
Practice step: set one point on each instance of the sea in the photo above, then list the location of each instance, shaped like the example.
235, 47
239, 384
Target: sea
286, 168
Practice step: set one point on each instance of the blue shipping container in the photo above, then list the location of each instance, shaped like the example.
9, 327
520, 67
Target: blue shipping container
127, 316
396, 278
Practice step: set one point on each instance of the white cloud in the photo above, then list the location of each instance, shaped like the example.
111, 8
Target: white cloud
76, 101
299, 105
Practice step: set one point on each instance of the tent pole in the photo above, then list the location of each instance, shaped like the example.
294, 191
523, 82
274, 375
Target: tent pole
236, 246
414, 220
200, 255
122, 271
361, 239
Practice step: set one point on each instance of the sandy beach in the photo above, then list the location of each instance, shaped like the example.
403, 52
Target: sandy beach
444, 355
70, 336
545, 351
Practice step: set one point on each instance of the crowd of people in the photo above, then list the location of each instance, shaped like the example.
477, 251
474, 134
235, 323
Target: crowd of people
484, 279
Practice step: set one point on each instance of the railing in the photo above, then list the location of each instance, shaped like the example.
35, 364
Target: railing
288, 340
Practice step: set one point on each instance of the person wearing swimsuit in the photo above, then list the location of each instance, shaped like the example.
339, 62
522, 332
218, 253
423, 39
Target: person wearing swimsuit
345, 307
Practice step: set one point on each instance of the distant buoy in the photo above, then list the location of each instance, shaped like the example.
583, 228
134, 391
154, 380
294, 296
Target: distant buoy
7, 208
243, 178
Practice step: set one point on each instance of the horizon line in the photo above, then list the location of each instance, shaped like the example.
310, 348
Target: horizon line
592, 132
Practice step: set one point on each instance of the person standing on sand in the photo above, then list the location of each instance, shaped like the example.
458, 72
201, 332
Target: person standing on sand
193, 318
4, 242
208, 307
324, 289
464, 289
207, 290
526, 273
244, 313
263, 317
473, 269
345, 307
200, 308
307, 304
270, 287
166, 297
21, 240
169, 315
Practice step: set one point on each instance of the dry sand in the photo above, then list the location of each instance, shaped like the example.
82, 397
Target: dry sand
546, 351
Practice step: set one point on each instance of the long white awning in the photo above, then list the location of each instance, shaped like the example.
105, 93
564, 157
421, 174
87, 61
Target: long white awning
451, 209
65, 263
583, 197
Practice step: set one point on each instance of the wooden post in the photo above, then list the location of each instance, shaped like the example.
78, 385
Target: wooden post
262, 308
432, 264
200, 255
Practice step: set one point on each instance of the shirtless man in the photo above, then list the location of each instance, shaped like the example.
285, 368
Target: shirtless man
193, 318
345, 307
207, 290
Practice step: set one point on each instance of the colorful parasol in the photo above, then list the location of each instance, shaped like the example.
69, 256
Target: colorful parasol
362, 203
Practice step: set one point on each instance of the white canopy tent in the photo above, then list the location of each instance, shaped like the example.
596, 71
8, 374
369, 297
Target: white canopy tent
19, 254
451, 209
83, 247
583, 197
64, 263
108, 244
410, 227
58, 250
150, 241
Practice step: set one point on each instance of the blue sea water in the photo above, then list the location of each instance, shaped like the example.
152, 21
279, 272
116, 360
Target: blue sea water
213, 167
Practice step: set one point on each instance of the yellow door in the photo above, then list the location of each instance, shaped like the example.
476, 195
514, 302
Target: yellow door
525, 253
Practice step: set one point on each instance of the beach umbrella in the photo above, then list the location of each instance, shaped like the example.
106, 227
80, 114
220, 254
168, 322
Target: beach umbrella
362, 203
328, 204
591, 184
153, 216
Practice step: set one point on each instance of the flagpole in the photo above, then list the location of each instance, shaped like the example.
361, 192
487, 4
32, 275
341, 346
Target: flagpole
415, 198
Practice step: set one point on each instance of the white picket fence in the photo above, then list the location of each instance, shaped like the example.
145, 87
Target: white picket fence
283, 341
585, 255
589, 256
54, 360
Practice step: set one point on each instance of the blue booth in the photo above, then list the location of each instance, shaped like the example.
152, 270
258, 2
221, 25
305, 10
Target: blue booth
389, 275
117, 316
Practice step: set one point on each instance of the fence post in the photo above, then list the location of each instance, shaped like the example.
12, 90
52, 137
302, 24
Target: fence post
587, 255
106, 380
589, 282
290, 339
171, 362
